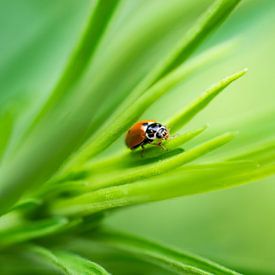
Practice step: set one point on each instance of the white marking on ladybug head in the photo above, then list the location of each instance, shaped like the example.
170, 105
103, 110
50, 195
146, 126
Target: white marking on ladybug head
162, 132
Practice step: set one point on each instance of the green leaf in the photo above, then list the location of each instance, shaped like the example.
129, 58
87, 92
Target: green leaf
134, 174
212, 18
185, 46
263, 153
161, 255
209, 21
184, 116
28, 203
67, 262
62, 136
119, 123
100, 15
31, 230
160, 167
182, 182
56, 138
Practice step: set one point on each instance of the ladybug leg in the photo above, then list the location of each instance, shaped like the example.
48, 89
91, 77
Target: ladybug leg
161, 145
142, 150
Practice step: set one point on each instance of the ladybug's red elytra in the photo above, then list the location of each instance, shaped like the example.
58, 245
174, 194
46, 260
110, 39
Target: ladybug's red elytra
145, 132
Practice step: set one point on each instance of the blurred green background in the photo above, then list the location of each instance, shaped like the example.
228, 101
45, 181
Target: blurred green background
234, 227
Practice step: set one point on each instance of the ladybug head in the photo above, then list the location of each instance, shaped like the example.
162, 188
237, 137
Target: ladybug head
156, 131
162, 133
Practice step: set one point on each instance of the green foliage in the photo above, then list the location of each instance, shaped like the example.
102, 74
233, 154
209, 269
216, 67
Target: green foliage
186, 46
31, 230
67, 263
180, 119
182, 182
100, 14
60, 174
6, 127
171, 259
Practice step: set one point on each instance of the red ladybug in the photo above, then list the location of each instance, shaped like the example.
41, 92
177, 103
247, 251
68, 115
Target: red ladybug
144, 132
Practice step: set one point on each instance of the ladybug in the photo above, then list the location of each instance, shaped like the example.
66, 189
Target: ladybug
145, 132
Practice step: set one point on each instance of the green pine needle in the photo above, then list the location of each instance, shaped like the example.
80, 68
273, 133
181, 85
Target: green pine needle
184, 116
119, 123
171, 259
60, 173
159, 167
66, 262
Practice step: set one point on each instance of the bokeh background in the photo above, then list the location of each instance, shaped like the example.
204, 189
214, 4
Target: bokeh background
235, 227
